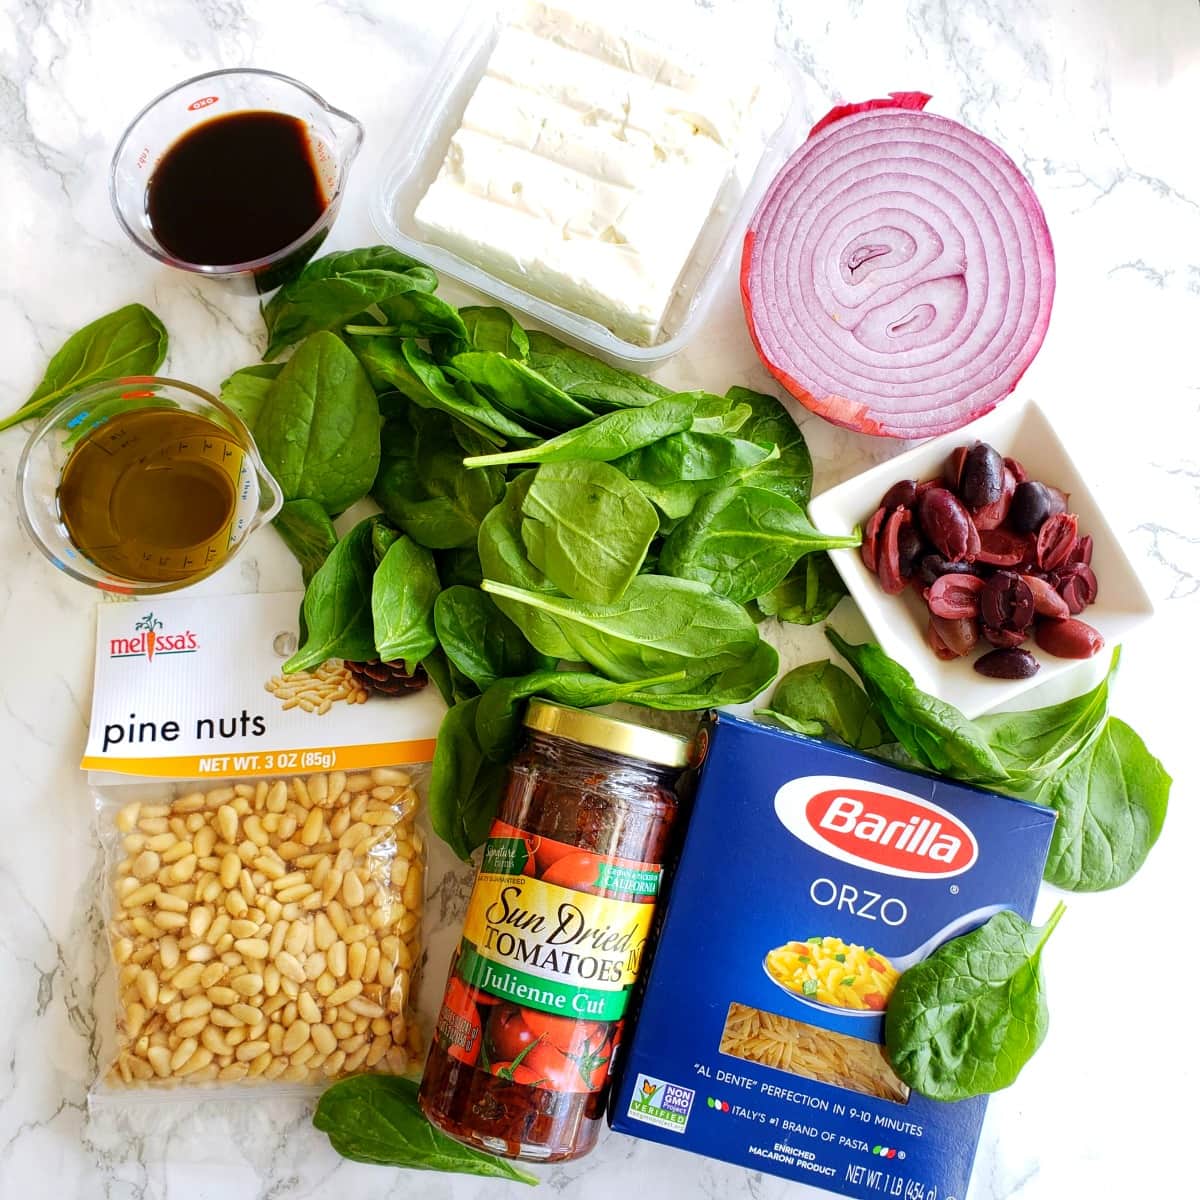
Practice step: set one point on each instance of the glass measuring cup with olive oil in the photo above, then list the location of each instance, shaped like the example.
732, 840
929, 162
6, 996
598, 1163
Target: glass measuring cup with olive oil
143, 485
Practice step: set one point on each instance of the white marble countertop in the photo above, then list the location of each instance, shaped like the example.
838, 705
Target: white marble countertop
1096, 101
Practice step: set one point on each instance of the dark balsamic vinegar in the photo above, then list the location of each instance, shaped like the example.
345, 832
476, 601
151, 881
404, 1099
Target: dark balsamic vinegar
235, 188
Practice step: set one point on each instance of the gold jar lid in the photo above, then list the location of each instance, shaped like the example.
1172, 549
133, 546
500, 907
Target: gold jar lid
608, 733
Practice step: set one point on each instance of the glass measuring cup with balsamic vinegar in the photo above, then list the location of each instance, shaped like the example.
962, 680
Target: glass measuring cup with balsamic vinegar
234, 174
142, 486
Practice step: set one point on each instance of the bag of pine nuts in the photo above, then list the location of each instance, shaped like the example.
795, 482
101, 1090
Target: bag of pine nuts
264, 864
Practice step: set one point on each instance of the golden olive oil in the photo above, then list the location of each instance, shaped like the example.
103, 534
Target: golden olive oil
151, 495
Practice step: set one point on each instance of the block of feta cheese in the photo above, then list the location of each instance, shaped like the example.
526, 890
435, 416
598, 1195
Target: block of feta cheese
586, 165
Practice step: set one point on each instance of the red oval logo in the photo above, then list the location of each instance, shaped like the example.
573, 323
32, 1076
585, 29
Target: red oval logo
877, 827
204, 102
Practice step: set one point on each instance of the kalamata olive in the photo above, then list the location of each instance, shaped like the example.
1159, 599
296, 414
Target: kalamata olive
870, 543
891, 578
900, 495
955, 596
1006, 602
999, 548
1083, 550
951, 639
958, 636
911, 547
953, 468
1056, 539
936, 642
1032, 503
948, 525
982, 479
1077, 585
1019, 472
934, 565
1068, 639
1004, 638
1007, 664
1046, 601
991, 516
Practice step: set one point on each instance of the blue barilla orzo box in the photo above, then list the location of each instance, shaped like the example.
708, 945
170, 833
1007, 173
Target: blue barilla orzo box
809, 878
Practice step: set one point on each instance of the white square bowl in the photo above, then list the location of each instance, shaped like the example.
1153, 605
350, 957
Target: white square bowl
1017, 430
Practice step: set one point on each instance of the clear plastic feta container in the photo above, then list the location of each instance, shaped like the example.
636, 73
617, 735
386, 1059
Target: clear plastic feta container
724, 40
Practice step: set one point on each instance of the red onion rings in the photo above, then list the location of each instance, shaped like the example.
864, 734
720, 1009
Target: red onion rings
898, 275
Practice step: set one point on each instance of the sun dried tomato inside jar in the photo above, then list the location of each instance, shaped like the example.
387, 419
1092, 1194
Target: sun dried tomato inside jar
554, 936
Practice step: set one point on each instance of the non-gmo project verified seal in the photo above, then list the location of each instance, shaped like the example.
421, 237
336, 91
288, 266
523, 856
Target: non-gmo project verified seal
657, 1102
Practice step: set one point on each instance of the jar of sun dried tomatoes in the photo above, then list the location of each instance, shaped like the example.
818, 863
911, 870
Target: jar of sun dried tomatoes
554, 936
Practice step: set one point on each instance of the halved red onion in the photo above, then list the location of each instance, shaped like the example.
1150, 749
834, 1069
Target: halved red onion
898, 275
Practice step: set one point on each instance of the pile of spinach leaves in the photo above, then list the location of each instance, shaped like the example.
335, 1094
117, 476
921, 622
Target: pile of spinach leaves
550, 524
1093, 770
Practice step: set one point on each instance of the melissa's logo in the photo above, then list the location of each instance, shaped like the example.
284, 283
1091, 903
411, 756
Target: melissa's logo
877, 827
147, 641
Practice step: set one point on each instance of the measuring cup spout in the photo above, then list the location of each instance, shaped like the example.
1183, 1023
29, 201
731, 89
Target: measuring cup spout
270, 497
350, 134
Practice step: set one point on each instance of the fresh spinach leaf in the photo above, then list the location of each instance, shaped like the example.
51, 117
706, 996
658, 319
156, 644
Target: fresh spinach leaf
402, 598
383, 537
935, 733
450, 682
464, 787
308, 533
413, 372
596, 383
368, 258
587, 529
317, 301
503, 558
486, 329
1031, 744
517, 389
726, 420
497, 719
459, 566
419, 315
1111, 800
702, 688
793, 724
336, 612
676, 471
603, 439
660, 625
246, 390
480, 640
809, 594
376, 1119
743, 541
129, 341
966, 1020
318, 427
770, 424
422, 484
822, 695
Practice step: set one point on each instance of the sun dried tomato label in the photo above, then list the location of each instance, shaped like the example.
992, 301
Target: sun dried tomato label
552, 943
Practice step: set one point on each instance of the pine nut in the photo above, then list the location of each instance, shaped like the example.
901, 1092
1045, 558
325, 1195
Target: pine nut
290, 967
249, 984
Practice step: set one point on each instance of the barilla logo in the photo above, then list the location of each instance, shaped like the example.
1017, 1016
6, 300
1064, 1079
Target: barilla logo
148, 640
204, 102
877, 827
